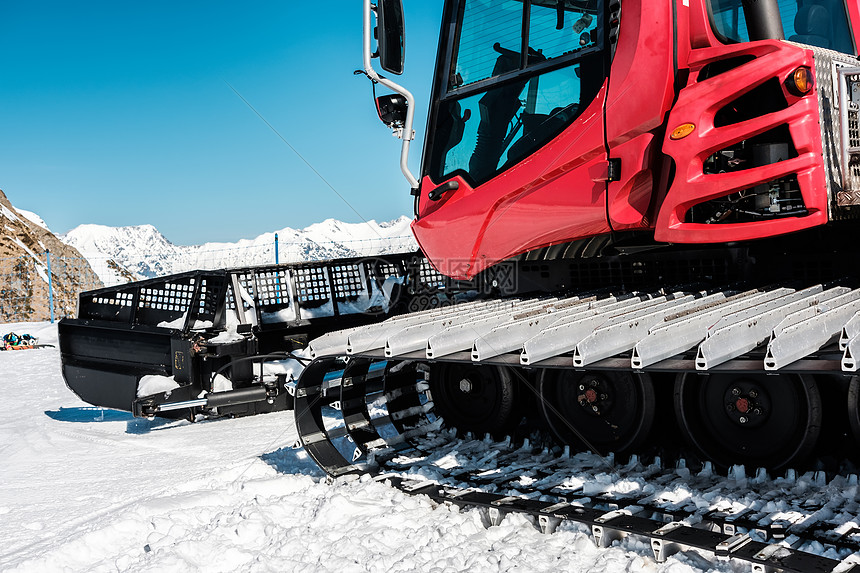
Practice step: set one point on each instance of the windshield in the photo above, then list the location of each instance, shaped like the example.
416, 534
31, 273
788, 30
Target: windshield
502, 104
822, 23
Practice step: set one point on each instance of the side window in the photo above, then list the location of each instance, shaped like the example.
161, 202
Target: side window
822, 23
485, 26
500, 127
484, 131
553, 34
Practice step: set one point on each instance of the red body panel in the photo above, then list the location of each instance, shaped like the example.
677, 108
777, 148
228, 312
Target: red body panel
698, 103
557, 193
854, 15
640, 94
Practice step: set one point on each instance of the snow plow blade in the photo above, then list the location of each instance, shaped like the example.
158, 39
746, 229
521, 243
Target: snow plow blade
145, 347
102, 362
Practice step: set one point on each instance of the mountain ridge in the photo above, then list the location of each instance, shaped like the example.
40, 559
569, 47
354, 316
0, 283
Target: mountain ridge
144, 252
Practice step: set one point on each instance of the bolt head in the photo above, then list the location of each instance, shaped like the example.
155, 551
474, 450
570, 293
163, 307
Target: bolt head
582, 387
736, 391
753, 394
595, 408
730, 407
743, 420
465, 385
758, 412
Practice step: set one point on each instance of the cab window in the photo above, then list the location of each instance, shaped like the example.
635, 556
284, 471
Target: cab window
521, 73
821, 23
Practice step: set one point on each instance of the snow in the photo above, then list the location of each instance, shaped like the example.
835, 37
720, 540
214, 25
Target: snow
150, 385
86, 489
221, 384
33, 218
4, 212
180, 322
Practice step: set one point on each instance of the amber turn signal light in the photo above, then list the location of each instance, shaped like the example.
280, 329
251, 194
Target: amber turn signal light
682, 131
800, 82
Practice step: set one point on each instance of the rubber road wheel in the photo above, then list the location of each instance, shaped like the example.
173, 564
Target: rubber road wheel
602, 411
477, 399
854, 408
769, 421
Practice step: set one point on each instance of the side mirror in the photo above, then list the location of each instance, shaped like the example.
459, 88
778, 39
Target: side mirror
392, 110
391, 35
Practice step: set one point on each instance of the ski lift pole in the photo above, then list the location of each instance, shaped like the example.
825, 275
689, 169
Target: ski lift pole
50, 284
277, 275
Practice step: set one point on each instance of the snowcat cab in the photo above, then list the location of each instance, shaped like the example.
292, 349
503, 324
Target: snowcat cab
693, 122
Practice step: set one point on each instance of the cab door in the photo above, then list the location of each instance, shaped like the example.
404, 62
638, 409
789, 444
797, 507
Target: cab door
640, 96
516, 155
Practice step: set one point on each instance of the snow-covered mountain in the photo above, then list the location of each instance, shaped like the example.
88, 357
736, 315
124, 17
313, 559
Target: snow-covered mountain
121, 253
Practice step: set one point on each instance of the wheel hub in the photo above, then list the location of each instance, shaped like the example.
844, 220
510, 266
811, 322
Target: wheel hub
597, 411
747, 405
595, 396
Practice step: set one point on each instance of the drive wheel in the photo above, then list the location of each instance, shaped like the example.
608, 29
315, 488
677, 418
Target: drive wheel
602, 411
477, 399
770, 421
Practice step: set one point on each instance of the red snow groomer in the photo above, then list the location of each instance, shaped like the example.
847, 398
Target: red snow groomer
638, 231
648, 210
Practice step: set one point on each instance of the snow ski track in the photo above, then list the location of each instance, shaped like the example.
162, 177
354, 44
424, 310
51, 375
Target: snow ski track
149, 517
106, 438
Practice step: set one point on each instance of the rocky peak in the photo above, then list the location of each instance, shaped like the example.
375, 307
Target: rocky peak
24, 269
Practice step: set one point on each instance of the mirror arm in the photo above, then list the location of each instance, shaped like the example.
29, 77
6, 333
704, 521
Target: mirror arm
406, 133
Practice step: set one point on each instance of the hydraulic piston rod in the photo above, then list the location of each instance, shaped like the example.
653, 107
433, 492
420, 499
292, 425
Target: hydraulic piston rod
216, 399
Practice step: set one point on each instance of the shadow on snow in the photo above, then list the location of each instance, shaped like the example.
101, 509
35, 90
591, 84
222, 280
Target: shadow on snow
291, 460
99, 415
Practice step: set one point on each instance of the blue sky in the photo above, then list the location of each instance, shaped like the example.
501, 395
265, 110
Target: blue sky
119, 113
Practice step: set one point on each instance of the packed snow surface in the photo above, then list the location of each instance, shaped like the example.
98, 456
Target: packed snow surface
86, 489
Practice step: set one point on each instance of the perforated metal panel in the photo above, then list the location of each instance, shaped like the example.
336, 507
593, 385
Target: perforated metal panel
382, 270
844, 190
349, 281
429, 277
312, 286
120, 299
247, 283
270, 295
170, 297
207, 303
273, 288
